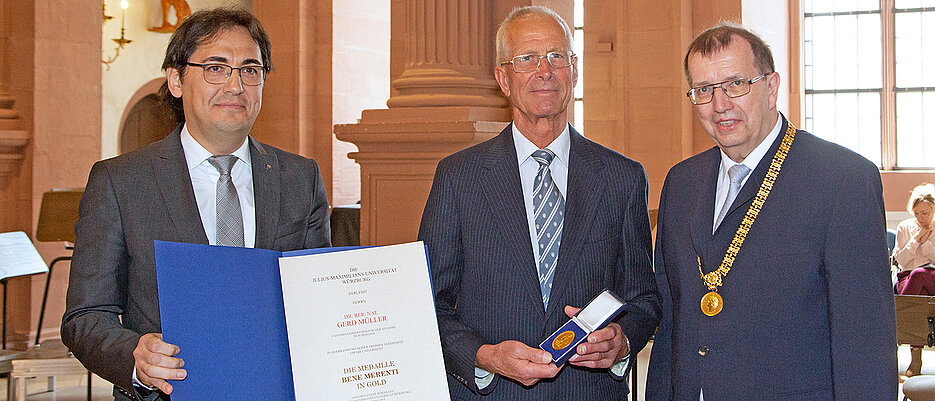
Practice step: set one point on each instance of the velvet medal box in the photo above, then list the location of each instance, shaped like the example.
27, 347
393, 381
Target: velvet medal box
594, 316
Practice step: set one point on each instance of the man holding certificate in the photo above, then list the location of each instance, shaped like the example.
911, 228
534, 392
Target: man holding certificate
207, 182
536, 220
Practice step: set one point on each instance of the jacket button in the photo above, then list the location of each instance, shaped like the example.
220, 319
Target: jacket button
703, 350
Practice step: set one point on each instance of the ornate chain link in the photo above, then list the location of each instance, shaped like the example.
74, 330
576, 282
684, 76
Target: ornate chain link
715, 279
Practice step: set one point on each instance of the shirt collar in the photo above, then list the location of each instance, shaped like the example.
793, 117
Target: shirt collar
753, 159
195, 154
524, 147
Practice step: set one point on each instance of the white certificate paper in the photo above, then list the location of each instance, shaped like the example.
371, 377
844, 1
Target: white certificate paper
18, 256
362, 325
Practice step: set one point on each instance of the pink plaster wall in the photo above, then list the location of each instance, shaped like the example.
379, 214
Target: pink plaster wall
67, 122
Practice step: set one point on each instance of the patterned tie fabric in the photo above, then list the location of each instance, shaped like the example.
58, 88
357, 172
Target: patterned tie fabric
736, 173
229, 217
549, 207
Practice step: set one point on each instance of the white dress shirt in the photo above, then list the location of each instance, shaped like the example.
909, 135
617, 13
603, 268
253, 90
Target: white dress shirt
751, 161
204, 182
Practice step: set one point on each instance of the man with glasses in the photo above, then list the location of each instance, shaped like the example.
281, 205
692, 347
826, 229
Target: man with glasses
207, 182
526, 226
770, 255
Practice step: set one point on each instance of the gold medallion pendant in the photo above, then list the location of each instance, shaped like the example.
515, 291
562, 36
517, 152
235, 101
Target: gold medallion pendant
712, 303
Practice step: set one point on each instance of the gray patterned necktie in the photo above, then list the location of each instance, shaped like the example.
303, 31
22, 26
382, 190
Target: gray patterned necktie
736, 173
549, 209
229, 217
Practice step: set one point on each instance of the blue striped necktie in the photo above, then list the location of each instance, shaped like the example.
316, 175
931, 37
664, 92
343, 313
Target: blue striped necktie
549, 207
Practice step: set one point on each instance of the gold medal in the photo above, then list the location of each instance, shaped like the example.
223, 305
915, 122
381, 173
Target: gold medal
563, 339
712, 303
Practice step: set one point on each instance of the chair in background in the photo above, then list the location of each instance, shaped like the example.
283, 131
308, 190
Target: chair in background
57, 217
915, 325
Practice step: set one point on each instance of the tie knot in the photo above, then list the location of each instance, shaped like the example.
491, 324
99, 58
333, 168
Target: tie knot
737, 173
543, 156
224, 164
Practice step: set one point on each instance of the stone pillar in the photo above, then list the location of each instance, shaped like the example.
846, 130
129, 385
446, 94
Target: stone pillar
13, 135
444, 98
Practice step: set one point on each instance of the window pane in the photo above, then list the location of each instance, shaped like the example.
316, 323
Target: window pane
915, 129
908, 46
579, 50
851, 120
843, 52
869, 51
825, 6
914, 3
579, 13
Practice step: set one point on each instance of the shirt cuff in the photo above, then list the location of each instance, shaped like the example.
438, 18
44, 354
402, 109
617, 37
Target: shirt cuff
137, 382
619, 369
482, 378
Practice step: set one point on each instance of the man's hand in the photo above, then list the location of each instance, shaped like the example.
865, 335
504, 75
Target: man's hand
604, 347
155, 362
517, 361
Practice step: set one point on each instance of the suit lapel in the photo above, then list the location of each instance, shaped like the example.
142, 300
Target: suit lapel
266, 192
752, 185
503, 189
170, 171
706, 188
585, 188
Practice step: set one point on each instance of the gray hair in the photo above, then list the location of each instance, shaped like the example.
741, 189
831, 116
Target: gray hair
503, 52
722, 35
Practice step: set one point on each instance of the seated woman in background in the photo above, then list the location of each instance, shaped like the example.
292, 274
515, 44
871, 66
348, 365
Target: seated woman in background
915, 253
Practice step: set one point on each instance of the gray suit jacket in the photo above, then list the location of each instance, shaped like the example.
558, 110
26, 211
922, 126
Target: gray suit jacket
147, 195
485, 279
808, 304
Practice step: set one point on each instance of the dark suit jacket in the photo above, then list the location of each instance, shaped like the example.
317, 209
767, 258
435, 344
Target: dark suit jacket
808, 304
147, 195
485, 279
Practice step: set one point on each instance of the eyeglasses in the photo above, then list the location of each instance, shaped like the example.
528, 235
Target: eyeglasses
530, 62
251, 75
734, 87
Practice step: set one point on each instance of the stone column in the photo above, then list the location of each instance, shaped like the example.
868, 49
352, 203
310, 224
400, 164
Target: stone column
443, 100
13, 136
449, 60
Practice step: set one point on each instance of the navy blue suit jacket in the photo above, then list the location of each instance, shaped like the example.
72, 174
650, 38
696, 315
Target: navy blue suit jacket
485, 279
808, 304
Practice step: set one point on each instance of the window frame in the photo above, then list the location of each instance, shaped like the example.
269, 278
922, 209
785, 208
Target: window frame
888, 90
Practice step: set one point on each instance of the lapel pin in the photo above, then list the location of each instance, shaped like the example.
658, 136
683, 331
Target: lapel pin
269, 166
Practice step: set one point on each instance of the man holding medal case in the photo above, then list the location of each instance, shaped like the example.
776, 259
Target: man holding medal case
524, 226
770, 255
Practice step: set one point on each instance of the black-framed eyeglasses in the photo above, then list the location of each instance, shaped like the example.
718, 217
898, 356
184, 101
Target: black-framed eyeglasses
734, 87
217, 73
530, 62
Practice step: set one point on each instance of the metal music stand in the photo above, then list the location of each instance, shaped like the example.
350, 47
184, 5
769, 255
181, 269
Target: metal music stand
57, 217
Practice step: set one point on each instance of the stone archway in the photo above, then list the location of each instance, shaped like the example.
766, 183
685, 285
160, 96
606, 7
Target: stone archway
146, 120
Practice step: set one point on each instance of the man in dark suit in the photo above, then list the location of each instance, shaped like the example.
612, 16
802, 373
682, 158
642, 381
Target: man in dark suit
770, 251
207, 182
524, 226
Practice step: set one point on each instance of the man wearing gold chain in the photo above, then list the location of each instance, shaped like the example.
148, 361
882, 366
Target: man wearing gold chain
770, 252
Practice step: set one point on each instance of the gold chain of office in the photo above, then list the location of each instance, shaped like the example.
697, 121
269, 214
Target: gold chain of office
712, 303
